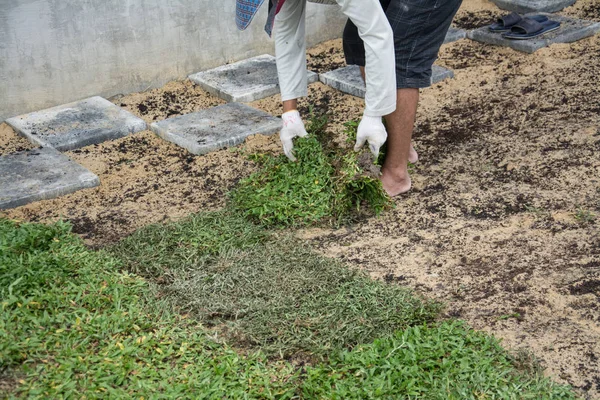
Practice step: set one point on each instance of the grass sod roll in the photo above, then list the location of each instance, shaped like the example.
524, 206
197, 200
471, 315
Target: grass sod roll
328, 184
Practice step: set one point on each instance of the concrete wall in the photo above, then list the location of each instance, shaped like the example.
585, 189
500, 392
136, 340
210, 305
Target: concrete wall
56, 51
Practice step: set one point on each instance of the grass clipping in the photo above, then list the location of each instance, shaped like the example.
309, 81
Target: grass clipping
326, 185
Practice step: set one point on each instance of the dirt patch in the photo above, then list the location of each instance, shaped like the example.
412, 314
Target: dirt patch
509, 163
470, 20
508, 157
173, 99
326, 56
589, 10
476, 13
10, 142
8, 382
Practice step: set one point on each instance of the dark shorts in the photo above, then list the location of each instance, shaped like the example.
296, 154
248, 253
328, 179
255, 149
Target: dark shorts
419, 27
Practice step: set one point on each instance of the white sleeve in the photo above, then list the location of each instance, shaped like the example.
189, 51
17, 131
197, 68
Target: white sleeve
373, 28
380, 69
290, 49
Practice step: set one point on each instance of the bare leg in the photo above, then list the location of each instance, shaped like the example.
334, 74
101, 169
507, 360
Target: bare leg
413, 157
400, 126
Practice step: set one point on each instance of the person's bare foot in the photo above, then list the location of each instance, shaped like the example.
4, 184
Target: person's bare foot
395, 184
413, 157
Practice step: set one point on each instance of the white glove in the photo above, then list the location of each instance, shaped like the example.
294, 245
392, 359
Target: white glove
292, 127
371, 130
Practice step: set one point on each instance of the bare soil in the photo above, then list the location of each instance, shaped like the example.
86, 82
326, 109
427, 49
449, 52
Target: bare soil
10, 143
503, 222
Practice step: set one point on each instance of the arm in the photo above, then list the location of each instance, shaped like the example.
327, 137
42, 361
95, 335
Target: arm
290, 49
376, 32
373, 28
380, 99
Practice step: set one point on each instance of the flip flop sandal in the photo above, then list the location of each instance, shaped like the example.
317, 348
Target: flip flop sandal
529, 29
506, 22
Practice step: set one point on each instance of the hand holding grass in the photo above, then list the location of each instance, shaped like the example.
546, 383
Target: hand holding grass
372, 130
292, 127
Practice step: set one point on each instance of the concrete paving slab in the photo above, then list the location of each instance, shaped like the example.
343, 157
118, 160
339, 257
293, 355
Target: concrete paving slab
455, 34
571, 30
244, 81
71, 126
40, 174
348, 79
215, 128
526, 6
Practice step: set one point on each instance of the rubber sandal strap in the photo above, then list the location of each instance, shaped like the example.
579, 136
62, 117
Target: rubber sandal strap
509, 20
527, 26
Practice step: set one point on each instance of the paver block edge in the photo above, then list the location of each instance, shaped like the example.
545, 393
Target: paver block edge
83, 179
526, 6
530, 46
162, 129
20, 123
355, 87
454, 34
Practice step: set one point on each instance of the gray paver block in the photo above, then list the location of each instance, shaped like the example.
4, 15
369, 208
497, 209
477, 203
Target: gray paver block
455, 34
348, 79
76, 125
40, 174
244, 81
215, 128
440, 74
571, 30
525, 6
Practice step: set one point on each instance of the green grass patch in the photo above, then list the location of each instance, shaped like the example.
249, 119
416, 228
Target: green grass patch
268, 291
325, 185
74, 325
288, 193
447, 361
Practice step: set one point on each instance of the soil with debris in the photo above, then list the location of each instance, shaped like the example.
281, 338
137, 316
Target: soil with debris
503, 222
11, 143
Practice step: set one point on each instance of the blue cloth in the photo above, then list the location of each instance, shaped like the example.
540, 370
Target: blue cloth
245, 11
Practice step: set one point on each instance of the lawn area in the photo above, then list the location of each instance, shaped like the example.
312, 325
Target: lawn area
216, 307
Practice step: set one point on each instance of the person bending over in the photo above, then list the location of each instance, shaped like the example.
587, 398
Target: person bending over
380, 36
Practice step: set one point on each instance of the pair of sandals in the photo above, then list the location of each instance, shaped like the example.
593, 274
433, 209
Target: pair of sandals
514, 26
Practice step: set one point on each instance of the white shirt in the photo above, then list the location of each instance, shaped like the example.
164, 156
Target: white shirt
373, 28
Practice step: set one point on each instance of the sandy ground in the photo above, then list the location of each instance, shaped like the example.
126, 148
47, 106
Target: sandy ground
500, 224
